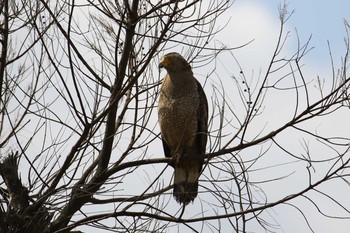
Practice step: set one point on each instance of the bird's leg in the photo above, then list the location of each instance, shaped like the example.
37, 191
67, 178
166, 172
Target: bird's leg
177, 158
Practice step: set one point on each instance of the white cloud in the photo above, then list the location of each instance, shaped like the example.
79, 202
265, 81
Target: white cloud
251, 22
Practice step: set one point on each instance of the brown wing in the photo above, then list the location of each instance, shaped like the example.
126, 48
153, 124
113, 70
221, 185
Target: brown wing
166, 149
202, 119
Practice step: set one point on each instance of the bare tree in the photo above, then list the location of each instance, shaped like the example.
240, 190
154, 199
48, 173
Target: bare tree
79, 86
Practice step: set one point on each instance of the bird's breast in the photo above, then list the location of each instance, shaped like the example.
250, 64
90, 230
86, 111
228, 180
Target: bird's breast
178, 119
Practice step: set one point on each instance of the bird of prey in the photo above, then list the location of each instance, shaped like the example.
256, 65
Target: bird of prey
183, 119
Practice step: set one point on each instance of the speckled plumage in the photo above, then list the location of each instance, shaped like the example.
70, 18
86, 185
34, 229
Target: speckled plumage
183, 115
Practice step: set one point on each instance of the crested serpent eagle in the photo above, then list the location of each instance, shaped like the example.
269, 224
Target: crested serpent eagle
183, 120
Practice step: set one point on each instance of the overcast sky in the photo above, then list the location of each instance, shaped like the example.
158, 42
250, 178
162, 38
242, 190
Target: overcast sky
258, 20
323, 20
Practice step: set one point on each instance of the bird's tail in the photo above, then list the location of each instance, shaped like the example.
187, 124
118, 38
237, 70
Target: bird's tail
186, 183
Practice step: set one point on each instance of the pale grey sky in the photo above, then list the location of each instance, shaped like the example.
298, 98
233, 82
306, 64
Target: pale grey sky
258, 20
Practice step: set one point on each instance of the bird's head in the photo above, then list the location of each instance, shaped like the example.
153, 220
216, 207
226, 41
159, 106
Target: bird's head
174, 62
